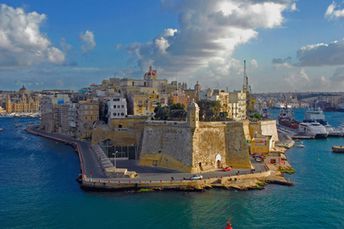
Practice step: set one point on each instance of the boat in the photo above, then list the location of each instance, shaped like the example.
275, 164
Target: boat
315, 114
1, 129
286, 118
338, 149
300, 145
313, 129
282, 105
228, 225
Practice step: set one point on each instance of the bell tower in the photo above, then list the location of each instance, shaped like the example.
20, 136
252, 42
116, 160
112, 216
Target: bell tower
8, 104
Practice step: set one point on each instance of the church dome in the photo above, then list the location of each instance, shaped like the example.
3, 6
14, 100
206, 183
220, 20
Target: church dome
23, 90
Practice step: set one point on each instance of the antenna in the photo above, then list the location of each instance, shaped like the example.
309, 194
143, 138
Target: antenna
245, 86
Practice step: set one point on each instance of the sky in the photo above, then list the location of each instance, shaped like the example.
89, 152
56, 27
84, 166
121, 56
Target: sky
289, 45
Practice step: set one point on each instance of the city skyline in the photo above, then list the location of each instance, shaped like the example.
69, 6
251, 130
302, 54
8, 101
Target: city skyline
289, 45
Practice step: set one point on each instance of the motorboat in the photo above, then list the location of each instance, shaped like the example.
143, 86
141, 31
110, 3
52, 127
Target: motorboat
338, 149
300, 145
313, 129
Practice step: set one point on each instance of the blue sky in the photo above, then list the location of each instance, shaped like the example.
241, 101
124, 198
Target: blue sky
289, 45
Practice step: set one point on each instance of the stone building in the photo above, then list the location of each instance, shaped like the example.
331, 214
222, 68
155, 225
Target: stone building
232, 103
51, 113
116, 108
237, 106
22, 101
87, 116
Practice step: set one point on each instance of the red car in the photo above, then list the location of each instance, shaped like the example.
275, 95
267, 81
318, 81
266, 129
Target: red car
227, 169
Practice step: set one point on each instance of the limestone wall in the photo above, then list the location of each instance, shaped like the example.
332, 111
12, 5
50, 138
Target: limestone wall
266, 128
167, 145
121, 132
269, 128
209, 147
237, 147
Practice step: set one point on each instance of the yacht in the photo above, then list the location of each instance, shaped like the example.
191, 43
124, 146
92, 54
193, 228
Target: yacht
313, 129
317, 115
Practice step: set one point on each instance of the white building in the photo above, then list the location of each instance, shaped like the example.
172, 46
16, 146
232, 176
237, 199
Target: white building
117, 108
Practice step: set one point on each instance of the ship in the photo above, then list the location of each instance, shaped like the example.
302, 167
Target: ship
315, 114
313, 129
286, 118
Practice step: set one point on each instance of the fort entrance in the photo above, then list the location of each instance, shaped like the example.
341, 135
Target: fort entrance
218, 160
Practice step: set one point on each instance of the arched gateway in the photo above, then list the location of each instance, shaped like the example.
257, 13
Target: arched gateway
218, 161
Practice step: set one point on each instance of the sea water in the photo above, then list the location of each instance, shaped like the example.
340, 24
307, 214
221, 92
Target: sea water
38, 190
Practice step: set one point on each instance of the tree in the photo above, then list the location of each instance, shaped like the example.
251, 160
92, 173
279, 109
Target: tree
210, 110
171, 112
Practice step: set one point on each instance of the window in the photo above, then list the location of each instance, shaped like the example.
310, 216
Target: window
122, 106
122, 114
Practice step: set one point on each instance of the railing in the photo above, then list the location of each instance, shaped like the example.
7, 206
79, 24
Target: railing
175, 181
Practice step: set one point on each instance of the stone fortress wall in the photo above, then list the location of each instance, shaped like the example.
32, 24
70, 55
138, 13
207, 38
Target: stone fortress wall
167, 145
210, 146
190, 146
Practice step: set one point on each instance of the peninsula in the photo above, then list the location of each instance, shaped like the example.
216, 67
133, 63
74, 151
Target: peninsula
150, 134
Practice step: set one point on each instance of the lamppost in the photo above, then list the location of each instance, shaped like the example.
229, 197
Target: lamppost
114, 158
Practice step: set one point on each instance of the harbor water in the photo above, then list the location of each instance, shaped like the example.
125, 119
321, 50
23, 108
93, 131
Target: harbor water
38, 190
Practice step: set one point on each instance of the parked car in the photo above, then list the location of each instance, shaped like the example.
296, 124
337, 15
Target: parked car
227, 169
258, 159
196, 177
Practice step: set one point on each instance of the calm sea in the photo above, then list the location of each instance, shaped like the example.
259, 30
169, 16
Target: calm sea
38, 190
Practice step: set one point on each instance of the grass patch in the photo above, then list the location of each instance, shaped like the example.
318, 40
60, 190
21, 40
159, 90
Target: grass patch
288, 170
145, 190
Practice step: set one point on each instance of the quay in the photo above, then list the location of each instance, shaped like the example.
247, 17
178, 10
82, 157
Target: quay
95, 178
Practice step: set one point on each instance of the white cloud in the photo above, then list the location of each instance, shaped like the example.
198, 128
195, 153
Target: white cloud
333, 11
169, 32
21, 41
88, 40
208, 33
254, 63
322, 54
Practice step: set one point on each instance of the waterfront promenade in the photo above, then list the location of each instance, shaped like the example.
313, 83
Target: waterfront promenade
94, 176
89, 165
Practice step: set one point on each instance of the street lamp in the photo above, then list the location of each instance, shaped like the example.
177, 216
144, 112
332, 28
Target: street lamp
114, 159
